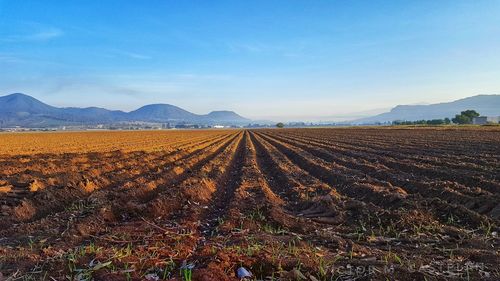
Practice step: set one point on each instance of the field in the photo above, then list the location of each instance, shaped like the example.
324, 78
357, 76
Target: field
286, 204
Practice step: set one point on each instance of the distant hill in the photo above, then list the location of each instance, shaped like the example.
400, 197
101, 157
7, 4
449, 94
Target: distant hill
20, 103
487, 105
225, 116
26, 111
162, 112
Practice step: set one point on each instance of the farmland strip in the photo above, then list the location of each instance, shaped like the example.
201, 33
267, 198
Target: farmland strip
478, 203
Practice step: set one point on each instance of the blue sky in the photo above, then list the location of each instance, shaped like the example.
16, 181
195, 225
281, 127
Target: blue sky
264, 59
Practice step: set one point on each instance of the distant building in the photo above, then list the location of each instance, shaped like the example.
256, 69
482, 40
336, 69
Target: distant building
481, 120
187, 126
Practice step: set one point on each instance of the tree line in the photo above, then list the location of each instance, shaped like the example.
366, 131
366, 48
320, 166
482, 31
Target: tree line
465, 117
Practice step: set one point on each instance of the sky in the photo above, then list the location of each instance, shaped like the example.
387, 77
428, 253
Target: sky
279, 60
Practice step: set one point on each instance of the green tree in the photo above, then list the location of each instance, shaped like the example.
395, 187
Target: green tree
435, 122
465, 117
470, 113
461, 119
280, 125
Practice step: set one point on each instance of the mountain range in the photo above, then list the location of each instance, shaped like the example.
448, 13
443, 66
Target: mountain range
26, 111
23, 110
486, 105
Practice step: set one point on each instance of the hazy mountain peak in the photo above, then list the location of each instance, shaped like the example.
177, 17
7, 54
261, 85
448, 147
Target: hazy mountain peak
19, 102
225, 115
487, 105
23, 110
162, 112
16, 97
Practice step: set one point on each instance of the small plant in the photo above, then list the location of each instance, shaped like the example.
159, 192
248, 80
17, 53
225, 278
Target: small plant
126, 272
276, 251
278, 230
452, 220
187, 271
220, 221
487, 227
31, 243
360, 230
71, 258
322, 268
392, 257
397, 258
257, 215
292, 248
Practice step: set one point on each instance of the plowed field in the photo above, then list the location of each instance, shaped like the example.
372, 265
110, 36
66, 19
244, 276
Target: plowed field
287, 204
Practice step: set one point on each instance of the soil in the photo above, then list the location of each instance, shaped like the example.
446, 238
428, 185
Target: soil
286, 204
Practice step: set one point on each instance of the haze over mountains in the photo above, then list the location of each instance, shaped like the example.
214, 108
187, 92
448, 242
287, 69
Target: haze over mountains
486, 105
26, 111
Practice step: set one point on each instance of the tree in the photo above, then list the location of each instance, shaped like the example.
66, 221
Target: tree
465, 117
470, 113
280, 125
461, 119
435, 122
423, 122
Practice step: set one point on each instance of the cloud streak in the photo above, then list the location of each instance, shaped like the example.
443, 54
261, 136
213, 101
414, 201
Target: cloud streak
40, 35
7, 58
293, 49
130, 55
45, 35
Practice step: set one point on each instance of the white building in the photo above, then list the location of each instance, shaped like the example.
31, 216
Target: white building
481, 120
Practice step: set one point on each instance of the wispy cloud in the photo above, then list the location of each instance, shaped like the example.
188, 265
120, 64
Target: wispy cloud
131, 55
7, 58
202, 77
293, 49
246, 47
136, 56
42, 34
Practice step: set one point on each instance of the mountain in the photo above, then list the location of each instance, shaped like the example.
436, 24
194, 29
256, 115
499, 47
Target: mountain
486, 105
22, 109
162, 113
168, 113
26, 111
225, 116
21, 103
92, 114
